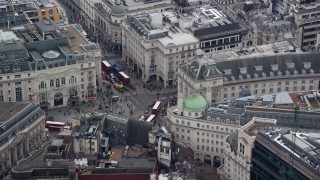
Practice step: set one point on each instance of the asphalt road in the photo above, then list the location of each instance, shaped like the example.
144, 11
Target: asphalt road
139, 98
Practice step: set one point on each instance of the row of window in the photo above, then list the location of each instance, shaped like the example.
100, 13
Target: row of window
216, 128
57, 82
208, 135
15, 76
208, 141
270, 84
208, 149
182, 48
271, 90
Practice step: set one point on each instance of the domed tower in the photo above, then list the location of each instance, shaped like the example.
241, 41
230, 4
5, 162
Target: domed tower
118, 12
194, 106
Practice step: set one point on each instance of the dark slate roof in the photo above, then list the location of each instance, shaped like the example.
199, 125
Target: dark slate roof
202, 70
19, 19
217, 30
222, 117
9, 46
210, 70
48, 44
298, 61
11, 67
235, 110
103, 11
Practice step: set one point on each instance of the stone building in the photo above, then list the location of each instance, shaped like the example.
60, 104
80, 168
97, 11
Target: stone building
108, 24
154, 47
261, 70
22, 131
203, 128
111, 13
49, 65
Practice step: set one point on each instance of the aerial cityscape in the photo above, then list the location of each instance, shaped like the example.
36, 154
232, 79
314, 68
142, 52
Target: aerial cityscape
160, 89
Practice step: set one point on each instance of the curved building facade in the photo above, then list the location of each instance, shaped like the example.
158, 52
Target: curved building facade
256, 73
223, 77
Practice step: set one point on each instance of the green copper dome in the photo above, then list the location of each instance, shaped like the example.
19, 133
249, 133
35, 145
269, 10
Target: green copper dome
195, 102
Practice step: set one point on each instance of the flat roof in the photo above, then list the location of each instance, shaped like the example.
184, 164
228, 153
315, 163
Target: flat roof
137, 162
9, 109
76, 39
283, 98
283, 47
178, 39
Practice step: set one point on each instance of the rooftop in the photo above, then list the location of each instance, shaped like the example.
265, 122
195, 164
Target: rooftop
35, 162
10, 109
256, 64
139, 5
279, 140
207, 21
306, 142
44, 45
137, 163
154, 26
283, 47
76, 39
306, 100
117, 118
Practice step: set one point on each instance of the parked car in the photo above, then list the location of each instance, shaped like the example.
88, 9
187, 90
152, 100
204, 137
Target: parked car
151, 103
146, 111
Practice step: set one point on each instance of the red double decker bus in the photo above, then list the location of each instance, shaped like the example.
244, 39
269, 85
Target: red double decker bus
156, 108
151, 119
55, 126
106, 67
124, 78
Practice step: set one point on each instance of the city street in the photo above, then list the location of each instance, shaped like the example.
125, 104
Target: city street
135, 100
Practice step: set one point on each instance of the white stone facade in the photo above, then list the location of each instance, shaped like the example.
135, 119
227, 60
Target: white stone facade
19, 146
206, 138
16, 87
88, 13
72, 81
159, 58
226, 87
238, 159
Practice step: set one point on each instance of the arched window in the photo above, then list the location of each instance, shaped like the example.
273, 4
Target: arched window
72, 79
51, 83
58, 82
42, 85
63, 81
